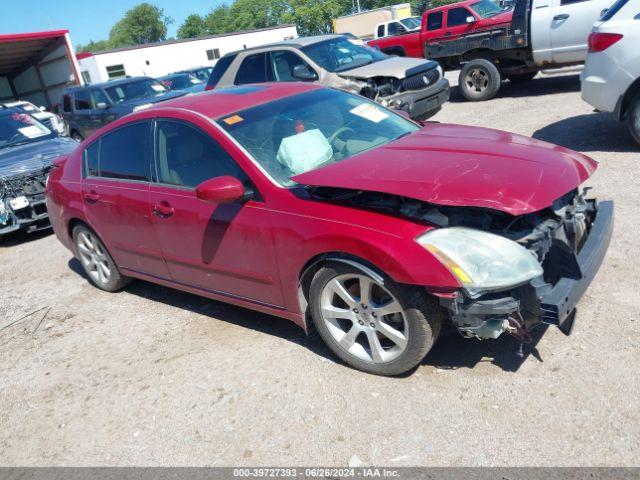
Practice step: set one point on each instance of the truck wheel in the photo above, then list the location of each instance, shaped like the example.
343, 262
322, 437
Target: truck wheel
522, 77
374, 325
633, 118
479, 80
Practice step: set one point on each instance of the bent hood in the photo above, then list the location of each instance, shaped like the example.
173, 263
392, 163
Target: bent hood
33, 156
396, 67
462, 166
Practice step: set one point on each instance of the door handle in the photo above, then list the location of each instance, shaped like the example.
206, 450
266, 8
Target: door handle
91, 196
563, 16
163, 210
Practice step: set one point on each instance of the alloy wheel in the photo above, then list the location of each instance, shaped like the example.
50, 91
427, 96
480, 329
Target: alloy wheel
364, 318
93, 257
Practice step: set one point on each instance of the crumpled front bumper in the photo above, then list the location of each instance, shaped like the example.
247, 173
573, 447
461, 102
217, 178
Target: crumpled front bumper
30, 219
421, 104
556, 305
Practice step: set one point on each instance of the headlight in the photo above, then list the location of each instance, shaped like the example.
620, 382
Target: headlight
481, 260
142, 107
440, 71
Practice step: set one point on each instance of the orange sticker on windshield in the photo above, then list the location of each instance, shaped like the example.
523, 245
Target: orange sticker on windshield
233, 119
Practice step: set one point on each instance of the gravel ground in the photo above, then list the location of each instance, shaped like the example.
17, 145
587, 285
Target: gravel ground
151, 376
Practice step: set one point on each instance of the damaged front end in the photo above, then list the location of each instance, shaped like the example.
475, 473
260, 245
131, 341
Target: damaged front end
419, 91
543, 261
22, 201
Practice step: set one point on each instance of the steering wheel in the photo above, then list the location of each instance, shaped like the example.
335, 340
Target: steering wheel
336, 135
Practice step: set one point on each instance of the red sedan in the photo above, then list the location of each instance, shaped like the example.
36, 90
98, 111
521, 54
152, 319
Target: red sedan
327, 209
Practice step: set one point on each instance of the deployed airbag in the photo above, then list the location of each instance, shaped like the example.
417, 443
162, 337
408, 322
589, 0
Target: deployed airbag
304, 151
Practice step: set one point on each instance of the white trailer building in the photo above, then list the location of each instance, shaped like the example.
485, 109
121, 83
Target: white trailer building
160, 59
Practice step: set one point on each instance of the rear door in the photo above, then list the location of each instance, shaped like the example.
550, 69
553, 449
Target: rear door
115, 191
226, 249
254, 69
571, 23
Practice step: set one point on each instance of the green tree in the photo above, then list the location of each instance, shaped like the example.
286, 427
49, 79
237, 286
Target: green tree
144, 23
193, 26
252, 14
94, 46
314, 17
218, 20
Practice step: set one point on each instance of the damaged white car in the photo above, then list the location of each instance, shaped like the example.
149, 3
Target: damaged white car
412, 85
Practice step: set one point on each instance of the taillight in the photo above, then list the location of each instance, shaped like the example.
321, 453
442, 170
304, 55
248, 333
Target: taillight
599, 42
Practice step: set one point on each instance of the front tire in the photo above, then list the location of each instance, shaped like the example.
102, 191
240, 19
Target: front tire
479, 80
633, 118
382, 328
96, 261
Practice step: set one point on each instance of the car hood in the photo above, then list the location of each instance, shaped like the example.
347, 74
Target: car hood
33, 156
462, 166
396, 67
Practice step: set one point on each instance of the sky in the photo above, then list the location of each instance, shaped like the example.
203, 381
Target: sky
87, 19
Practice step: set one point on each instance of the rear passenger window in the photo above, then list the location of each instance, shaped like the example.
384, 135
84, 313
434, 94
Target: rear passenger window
380, 30
90, 165
186, 156
254, 70
124, 153
219, 70
434, 21
457, 17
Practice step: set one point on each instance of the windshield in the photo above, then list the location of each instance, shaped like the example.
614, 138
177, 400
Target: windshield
411, 23
124, 92
18, 128
177, 82
340, 54
297, 134
486, 9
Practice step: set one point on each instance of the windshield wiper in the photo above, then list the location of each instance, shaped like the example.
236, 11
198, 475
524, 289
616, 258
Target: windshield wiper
350, 66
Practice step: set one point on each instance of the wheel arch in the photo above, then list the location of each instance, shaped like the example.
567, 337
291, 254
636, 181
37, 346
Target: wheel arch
628, 96
396, 50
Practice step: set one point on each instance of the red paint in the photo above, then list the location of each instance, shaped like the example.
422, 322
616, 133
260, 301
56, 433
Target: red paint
21, 37
413, 43
253, 253
225, 189
463, 166
82, 55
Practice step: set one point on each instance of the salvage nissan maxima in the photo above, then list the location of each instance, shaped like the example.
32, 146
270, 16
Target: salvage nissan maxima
325, 208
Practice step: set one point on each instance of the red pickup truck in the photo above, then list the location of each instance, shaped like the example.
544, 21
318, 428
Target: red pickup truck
446, 23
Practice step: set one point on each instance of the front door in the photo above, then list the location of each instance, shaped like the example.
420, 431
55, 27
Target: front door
115, 193
571, 23
457, 22
226, 249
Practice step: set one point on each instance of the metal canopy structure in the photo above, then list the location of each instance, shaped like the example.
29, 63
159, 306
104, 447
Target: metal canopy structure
36, 65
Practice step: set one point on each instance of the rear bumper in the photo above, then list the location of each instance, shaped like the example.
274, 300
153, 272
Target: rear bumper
421, 104
556, 306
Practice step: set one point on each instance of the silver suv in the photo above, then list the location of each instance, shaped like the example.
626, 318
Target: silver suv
412, 85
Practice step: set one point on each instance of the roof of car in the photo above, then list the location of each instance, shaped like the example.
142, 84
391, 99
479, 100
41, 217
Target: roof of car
224, 101
110, 83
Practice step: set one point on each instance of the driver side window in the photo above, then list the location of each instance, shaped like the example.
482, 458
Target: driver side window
186, 156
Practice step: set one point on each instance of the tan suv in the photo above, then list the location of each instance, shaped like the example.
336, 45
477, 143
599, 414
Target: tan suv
413, 85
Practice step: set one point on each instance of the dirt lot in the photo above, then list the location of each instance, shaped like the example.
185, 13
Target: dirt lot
150, 376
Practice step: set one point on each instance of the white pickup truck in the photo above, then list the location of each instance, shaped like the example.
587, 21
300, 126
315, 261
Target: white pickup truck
397, 27
541, 34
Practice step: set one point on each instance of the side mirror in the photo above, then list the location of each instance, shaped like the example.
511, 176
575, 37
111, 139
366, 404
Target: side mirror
225, 189
42, 109
302, 72
102, 106
470, 19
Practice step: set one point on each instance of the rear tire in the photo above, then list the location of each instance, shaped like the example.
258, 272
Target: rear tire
522, 77
96, 260
479, 80
633, 118
387, 330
